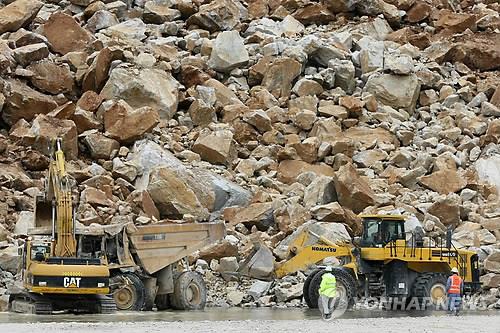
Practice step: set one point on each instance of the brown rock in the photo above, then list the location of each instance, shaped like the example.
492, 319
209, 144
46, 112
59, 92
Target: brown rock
480, 52
124, 124
288, 170
280, 75
308, 149
96, 197
419, 12
258, 119
18, 14
25, 102
218, 15
455, 22
367, 136
219, 250
490, 280
142, 204
89, 101
492, 262
100, 147
85, 120
46, 128
97, 74
353, 104
225, 96
202, 113
215, 147
495, 99
51, 78
25, 55
289, 216
353, 191
173, 196
314, 13
444, 181
258, 214
13, 176
65, 34
447, 210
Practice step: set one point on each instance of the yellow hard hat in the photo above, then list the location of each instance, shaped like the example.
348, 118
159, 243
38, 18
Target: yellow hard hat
454, 270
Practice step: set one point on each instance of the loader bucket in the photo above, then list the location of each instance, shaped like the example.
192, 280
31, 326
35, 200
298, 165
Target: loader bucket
43, 213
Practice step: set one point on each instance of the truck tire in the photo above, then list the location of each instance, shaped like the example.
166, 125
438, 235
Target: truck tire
190, 292
430, 290
305, 289
345, 286
162, 302
129, 293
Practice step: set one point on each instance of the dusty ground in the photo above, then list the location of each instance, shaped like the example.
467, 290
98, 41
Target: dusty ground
441, 324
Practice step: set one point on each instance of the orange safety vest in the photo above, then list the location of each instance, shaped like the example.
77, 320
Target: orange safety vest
456, 281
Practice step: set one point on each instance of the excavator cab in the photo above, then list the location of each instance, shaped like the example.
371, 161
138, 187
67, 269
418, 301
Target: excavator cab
380, 230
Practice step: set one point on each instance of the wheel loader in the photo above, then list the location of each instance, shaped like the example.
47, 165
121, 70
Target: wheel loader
54, 276
385, 262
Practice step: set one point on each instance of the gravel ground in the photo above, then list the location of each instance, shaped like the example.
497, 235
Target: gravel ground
441, 324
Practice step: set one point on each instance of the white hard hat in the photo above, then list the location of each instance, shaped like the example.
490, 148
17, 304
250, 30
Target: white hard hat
454, 270
328, 268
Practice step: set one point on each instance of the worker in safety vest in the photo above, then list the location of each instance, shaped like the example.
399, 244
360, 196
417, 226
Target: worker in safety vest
455, 290
327, 293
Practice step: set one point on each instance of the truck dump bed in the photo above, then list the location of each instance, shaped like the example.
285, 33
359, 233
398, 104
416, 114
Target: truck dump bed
159, 245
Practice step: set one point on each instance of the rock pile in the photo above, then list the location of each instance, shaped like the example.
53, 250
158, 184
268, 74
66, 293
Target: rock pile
264, 114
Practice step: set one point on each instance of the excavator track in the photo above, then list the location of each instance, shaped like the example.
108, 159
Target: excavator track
106, 305
31, 304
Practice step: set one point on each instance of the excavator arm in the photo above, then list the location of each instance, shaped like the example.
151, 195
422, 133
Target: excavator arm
58, 193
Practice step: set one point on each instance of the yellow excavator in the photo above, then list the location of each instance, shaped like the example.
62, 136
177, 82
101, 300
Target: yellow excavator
384, 262
53, 276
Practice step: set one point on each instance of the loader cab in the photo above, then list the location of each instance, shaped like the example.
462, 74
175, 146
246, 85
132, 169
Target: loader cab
380, 230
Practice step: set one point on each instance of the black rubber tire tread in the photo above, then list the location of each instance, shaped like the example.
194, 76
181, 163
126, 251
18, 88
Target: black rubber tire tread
178, 299
162, 302
422, 286
305, 289
139, 290
342, 275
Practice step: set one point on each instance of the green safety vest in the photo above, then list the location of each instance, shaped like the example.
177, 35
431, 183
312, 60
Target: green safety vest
328, 286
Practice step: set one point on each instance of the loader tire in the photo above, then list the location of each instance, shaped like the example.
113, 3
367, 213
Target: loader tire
129, 293
429, 290
190, 292
305, 289
346, 285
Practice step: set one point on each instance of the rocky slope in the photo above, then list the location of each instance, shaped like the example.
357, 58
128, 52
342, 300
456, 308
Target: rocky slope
264, 114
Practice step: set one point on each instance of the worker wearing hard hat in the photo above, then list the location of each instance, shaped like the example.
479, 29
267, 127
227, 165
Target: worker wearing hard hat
327, 293
455, 290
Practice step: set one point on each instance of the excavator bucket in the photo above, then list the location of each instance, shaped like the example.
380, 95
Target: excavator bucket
43, 213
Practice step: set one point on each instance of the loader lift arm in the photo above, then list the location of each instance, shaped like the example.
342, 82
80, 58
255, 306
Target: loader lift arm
303, 256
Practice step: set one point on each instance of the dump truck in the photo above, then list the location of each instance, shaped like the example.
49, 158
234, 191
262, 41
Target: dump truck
102, 268
386, 261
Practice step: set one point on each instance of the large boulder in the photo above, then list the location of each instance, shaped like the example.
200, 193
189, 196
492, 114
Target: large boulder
145, 87
320, 191
25, 221
18, 14
492, 262
213, 191
51, 78
173, 196
280, 75
46, 128
444, 181
397, 91
353, 191
288, 170
447, 209
14, 176
487, 170
258, 214
289, 215
259, 264
25, 55
218, 15
334, 232
23, 102
228, 52
125, 124
100, 146
215, 147
97, 74
65, 34
9, 259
